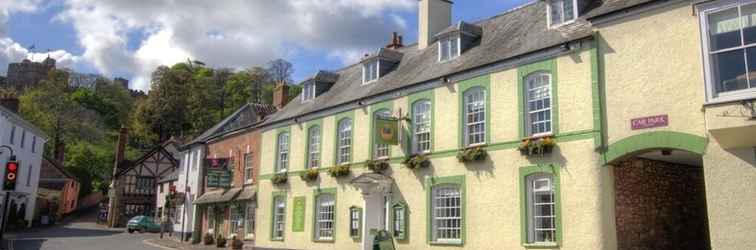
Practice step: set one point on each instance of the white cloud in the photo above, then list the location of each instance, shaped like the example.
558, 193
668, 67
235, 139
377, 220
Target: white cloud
233, 33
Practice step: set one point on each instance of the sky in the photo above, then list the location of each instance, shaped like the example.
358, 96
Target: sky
128, 38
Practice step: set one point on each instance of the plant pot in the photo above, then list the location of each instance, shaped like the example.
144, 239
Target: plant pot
279, 179
237, 244
378, 166
309, 175
339, 171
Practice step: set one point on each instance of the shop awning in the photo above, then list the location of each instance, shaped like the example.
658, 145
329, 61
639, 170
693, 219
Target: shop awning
218, 196
247, 193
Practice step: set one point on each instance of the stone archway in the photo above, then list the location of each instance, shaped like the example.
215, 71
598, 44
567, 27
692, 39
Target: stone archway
660, 198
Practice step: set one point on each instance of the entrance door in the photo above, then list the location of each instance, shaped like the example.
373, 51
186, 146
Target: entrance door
375, 218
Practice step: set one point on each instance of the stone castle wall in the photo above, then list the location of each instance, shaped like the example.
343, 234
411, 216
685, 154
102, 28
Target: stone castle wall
27, 73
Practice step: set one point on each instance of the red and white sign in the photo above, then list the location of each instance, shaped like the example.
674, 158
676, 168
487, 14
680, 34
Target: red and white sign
649, 122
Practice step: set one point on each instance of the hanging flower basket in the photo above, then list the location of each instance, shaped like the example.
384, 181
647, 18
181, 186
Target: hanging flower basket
378, 166
309, 175
473, 154
339, 171
416, 161
537, 146
279, 179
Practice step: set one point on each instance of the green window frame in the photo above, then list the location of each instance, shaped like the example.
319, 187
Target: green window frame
311, 125
551, 170
317, 193
436, 182
276, 196
374, 110
339, 118
483, 82
399, 221
278, 163
413, 99
355, 222
548, 66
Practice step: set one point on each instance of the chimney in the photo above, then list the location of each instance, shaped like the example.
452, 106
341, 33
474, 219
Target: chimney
433, 17
280, 95
120, 148
60, 152
10, 102
396, 41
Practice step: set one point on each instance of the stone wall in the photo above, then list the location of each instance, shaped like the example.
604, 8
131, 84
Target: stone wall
26, 74
660, 205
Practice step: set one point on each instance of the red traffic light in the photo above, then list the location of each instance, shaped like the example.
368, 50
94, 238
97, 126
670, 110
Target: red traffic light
12, 166
11, 174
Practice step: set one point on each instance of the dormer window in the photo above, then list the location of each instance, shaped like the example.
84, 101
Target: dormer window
561, 12
370, 71
448, 48
308, 91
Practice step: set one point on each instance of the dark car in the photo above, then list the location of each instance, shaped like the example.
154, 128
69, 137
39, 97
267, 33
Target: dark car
142, 224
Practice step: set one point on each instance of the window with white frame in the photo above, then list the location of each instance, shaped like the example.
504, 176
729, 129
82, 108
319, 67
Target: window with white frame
313, 147
283, 152
249, 226
370, 71
279, 217
421, 126
541, 209
381, 151
447, 214
308, 91
324, 217
538, 104
355, 222
729, 49
475, 116
248, 168
13, 135
561, 11
29, 175
23, 138
344, 153
34, 144
399, 223
448, 48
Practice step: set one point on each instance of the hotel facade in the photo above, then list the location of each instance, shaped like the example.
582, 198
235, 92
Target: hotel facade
561, 124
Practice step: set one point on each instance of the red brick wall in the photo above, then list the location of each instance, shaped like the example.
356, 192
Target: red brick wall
237, 146
660, 205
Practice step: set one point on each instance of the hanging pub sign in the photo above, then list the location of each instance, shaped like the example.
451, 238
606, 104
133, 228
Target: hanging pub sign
387, 130
218, 172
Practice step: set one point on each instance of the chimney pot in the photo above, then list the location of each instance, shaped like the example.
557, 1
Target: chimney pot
433, 17
280, 95
396, 41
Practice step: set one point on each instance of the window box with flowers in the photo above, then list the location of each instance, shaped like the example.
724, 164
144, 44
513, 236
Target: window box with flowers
339, 171
279, 179
537, 146
416, 161
472, 154
378, 166
311, 174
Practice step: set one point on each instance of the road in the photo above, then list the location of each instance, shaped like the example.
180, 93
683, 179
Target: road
79, 234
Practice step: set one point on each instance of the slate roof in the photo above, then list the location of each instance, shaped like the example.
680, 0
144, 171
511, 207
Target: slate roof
249, 114
513, 33
602, 7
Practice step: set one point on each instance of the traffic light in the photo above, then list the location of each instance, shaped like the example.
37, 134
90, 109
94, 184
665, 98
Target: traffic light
11, 175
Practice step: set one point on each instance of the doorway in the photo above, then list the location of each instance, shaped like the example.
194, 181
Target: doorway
376, 193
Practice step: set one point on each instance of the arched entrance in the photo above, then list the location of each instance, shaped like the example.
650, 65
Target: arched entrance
660, 198
376, 192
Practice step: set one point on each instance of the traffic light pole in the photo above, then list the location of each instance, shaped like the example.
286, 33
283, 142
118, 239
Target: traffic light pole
6, 201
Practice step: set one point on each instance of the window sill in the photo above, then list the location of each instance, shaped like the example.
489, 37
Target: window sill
280, 239
476, 145
447, 243
730, 99
540, 245
324, 241
539, 136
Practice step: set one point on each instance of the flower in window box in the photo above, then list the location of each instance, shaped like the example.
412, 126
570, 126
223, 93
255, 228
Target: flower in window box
339, 171
537, 146
416, 161
473, 154
309, 175
378, 166
279, 179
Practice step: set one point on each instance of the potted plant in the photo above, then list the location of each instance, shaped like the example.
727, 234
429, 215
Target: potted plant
537, 146
339, 171
416, 161
236, 244
472, 154
220, 241
309, 175
279, 179
208, 239
378, 165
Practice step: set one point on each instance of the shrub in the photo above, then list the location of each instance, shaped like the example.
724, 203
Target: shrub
473, 154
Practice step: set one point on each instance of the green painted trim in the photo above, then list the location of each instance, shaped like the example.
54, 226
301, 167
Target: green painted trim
273, 197
552, 169
359, 223
338, 118
595, 94
301, 227
411, 100
392, 219
431, 182
315, 194
375, 108
485, 83
280, 131
550, 66
656, 140
314, 123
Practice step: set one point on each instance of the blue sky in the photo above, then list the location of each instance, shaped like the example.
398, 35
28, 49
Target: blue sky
121, 38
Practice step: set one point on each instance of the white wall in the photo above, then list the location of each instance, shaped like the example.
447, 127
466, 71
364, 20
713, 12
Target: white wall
189, 176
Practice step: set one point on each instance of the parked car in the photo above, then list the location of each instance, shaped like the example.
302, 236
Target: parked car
142, 224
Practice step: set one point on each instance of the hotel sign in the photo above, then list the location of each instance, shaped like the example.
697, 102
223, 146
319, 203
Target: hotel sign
649, 122
218, 172
299, 214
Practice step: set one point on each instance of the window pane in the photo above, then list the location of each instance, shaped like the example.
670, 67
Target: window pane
729, 71
453, 47
748, 17
724, 29
569, 13
556, 12
752, 66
